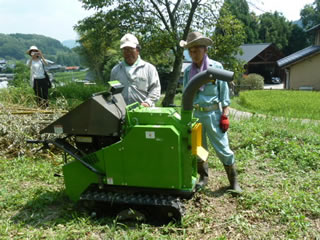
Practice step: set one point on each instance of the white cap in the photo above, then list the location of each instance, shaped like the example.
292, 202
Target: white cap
129, 40
34, 48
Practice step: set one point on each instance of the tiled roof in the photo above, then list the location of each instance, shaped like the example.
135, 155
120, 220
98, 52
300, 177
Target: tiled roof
250, 51
298, 56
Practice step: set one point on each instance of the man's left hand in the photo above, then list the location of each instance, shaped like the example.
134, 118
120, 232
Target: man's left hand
224, 123
145, 104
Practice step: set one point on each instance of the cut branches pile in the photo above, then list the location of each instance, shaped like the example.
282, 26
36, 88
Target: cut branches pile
19, 124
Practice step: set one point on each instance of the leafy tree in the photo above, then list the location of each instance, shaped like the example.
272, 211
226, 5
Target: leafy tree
159, 24
310, 14
22, 75
229, 35
298, 40
99, 42
274, 28
240, 9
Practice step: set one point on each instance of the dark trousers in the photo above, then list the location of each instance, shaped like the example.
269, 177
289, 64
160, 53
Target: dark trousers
40, 87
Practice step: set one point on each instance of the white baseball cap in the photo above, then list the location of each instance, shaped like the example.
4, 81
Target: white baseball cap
129, 40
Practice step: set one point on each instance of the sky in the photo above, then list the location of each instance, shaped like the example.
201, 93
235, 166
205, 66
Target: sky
52, 18
289, 8
56, 18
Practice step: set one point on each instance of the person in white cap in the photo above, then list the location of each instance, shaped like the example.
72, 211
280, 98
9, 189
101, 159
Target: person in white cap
140, 78
38, 78
207, 102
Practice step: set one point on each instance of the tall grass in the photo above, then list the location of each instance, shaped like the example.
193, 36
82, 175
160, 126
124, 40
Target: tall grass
70, 95
279, 170
75, 93
18, 95
284, 103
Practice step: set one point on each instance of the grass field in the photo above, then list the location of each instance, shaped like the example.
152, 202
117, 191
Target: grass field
289, 104
279, 169
68, 76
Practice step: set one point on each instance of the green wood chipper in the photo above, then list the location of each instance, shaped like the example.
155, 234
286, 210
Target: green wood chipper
138, 161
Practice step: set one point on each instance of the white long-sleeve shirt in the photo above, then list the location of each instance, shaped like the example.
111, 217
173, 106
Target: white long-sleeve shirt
36, 70
141, 82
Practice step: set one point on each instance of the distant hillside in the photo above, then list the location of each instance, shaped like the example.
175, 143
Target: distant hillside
70, 43
14, 47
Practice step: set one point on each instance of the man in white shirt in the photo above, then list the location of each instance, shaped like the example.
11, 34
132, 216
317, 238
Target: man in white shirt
139, 78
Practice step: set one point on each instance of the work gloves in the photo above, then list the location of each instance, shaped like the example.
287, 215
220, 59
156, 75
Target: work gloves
224, 123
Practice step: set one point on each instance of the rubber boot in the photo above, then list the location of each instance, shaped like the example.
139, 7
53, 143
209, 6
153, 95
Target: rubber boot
232, 176
204, 173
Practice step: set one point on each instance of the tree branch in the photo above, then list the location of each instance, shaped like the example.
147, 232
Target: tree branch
194, 5
161, 15
171, 17
176, 7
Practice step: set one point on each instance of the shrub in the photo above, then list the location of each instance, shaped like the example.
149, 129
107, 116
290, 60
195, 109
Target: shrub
252, 81
22, 75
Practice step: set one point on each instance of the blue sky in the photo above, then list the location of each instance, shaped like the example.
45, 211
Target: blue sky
56, 18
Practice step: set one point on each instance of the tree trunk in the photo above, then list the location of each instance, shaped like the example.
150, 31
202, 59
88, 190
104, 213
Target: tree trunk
174, 78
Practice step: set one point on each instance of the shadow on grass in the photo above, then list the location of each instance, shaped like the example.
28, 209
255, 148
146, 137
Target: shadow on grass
48, 209
216, 193
54, 207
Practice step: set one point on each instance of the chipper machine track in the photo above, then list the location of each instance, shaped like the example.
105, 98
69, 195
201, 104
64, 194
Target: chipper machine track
138, 161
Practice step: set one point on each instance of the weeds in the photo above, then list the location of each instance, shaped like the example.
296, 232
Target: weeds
280, 179
279, 168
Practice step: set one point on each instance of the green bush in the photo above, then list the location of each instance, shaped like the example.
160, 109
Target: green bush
75, 93
22, 75
252, 81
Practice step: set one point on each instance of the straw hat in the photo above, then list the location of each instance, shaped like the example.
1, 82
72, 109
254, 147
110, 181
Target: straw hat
195, 39
32, 48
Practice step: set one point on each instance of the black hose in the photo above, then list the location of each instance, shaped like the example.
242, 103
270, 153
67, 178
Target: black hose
200, 79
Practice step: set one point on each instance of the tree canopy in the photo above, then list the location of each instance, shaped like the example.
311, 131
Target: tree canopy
274, 28
158, 24
310, 14
270, 27
240, 9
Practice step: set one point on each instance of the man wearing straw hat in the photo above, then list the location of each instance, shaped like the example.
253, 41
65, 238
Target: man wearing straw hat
211, 107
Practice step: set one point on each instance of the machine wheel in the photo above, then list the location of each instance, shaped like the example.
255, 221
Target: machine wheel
157, 209
130, 214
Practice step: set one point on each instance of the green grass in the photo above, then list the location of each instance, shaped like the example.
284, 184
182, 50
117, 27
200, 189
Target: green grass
279, 169
284, 103
67, 96
75, 93
68, 76
278, 161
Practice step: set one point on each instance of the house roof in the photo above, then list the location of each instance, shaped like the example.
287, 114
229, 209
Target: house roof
316, 27
250, 51
291, 59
